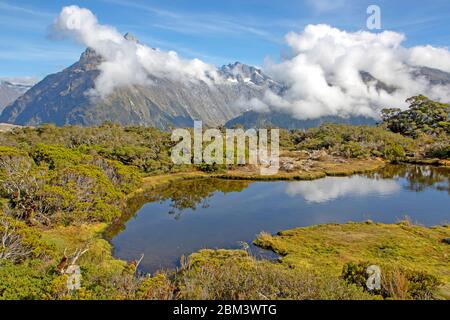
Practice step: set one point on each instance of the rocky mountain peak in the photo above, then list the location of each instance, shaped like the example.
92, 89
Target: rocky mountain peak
89, 60
242, 73
88, 54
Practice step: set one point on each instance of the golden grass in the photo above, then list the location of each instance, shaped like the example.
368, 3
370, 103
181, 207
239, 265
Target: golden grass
71, 238
320, 169
326, 248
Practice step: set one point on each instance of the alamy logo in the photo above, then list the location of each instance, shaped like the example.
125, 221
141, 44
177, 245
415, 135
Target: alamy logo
211, 147
74, 277
374, 19
374, 280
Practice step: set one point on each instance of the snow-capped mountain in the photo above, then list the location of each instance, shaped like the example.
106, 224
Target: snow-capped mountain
63, 98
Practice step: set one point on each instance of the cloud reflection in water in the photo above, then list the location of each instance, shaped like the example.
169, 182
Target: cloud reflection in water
331, 188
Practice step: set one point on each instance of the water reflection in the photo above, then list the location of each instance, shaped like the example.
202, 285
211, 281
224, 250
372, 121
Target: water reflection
190, 215
332, 188
418, 178
191, 194
194, 194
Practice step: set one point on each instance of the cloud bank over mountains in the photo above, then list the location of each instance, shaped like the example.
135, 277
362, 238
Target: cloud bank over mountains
125, 62
323, 76
324, 73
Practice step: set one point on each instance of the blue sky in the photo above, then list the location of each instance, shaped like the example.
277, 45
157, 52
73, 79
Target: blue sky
217, 32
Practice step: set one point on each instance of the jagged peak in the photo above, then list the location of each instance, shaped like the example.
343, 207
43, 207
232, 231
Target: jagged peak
240, 67
88, 54
235, 64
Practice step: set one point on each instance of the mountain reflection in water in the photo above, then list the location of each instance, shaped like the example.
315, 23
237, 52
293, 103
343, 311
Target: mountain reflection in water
189, 215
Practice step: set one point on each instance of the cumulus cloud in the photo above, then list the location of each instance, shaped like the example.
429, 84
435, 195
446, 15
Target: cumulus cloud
332, 188
325, 72
329, 71
126, 62
431, 57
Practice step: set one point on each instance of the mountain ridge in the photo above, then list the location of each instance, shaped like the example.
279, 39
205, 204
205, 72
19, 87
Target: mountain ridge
66, 98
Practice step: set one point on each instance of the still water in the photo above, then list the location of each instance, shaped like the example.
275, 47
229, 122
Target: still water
186, 216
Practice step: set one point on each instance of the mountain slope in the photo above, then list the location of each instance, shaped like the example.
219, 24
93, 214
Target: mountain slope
252, 119
63, 98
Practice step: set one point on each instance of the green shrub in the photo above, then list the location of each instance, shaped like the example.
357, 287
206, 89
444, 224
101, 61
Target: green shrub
422, 286
27, 281
56, 156
356, 273
423, 116
393, 151
355, 141
233, 275
19, 241
353, 149
397, 282
210, 168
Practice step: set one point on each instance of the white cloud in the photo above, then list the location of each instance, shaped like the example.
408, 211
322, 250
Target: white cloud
126, 62
429, 56
323, 73
332, 188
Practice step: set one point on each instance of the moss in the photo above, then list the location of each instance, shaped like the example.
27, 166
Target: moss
219, 257
327, 248
320, 169
98, 260
6, 151
160, 180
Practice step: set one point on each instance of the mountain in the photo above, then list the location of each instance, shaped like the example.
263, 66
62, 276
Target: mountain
252, 119
241, 73
10, 91
434, 76
62, 98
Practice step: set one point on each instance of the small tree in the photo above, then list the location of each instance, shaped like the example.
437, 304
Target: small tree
423, 116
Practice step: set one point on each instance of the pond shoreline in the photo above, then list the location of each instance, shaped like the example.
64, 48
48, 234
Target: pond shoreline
102, 251
409, 246
324, 169
181, 181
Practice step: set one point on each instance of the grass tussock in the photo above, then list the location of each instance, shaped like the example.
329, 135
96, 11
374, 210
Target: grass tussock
328, 248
